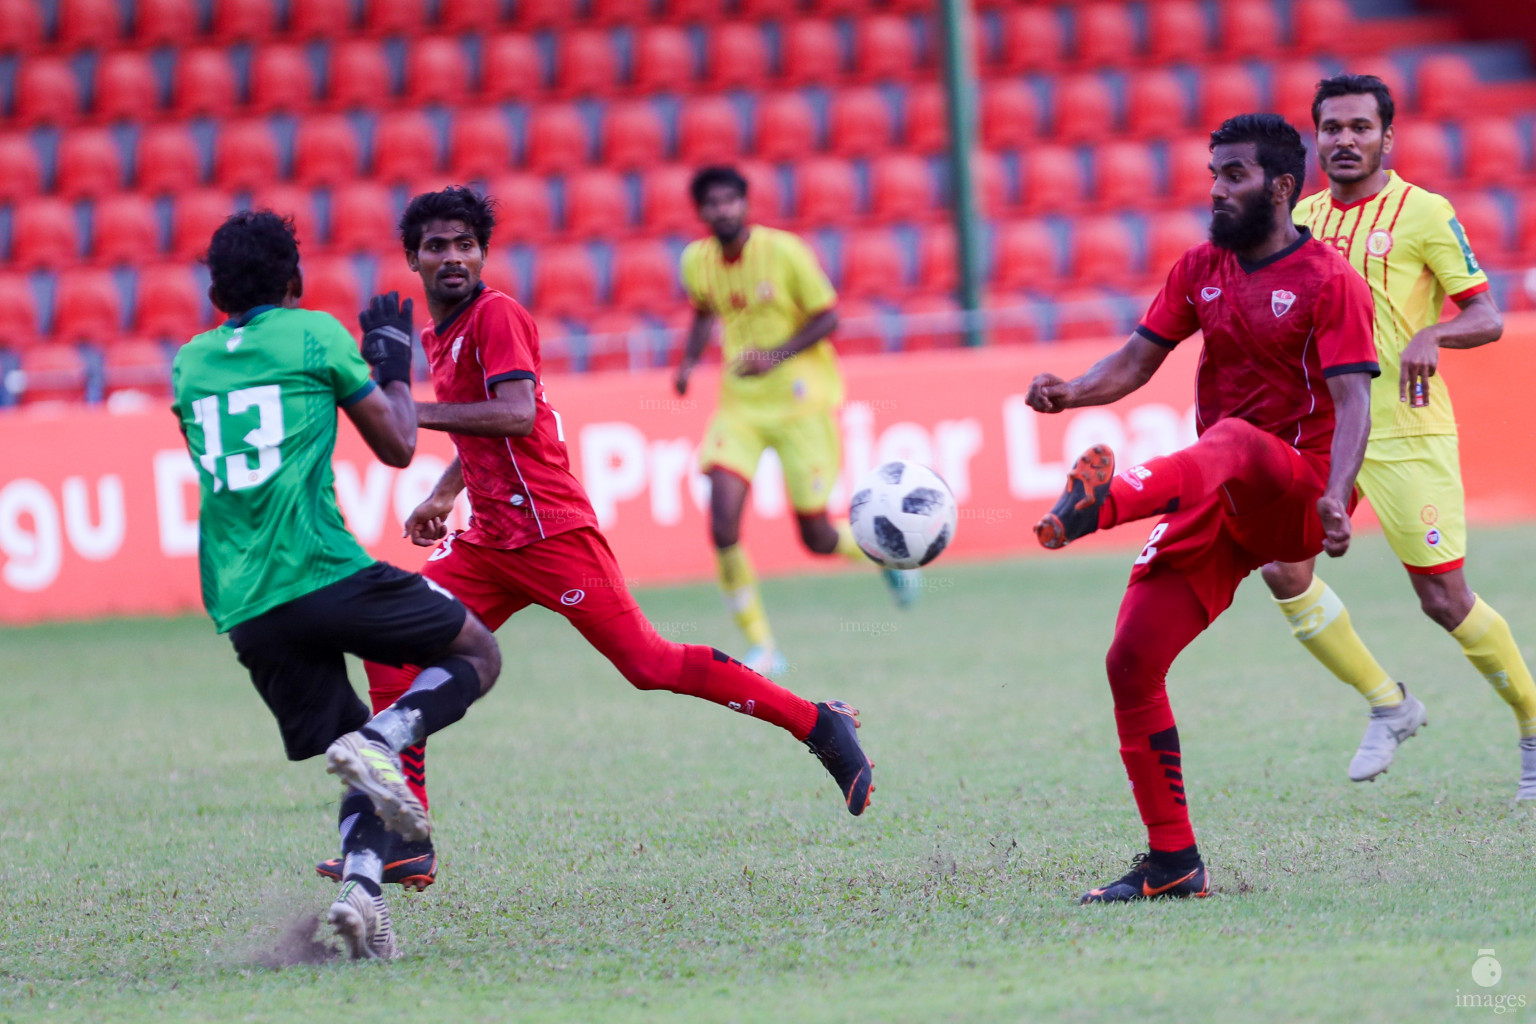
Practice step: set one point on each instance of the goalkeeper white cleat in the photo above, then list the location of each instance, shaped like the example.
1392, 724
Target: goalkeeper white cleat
1527, 789
362, 922
1388, 728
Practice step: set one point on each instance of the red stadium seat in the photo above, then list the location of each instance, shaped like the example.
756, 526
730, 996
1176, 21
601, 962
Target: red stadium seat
1156, 105
663, 59
21, 174
325, 151
556, 138
1106, 35
1010, 117
786, 126
88, 164
564, 282
587, 63
692, 11
479, 144
990, 183
244, 20
1224, 91
124, 229
44, 233
544, 13
634, 136
53, 373
644, 278
613, 340
1323, 26
737, 55
1292, 86
1526, 224
596, 204
405, 147
927, 119
827, 192
1052, 180
901, 188
169, 303
510, 67
762, 190
436, 71
168, 159
937, 259
1032, 39
860, 122
393, 274
1421, 153
21, 26
18, 313
161, 22
666, 208
126, 86
86, 305
1103, 251
245, 155
1085, 313
1189, 175
810, 53
331, 286
1492, 153
359, 74
1024, 257
136, 365
885, 48
281, 79
295, 203
323, 19
1125, 176
362, 218
1248, 28
46, 92
872, 265
708, 130
763, 10
524, 206
1486, 224
1082, 108
1169, 236
408, 17
204, 83
619, 12
929, 321
194, 218
1444, 85
1176, 31
89, 24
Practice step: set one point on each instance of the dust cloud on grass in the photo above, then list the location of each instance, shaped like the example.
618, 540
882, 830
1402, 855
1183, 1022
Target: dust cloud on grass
283, 930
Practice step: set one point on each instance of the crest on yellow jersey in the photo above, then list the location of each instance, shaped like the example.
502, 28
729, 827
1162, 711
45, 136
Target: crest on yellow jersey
1379, 242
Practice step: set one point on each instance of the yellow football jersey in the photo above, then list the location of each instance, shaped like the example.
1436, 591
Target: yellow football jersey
762, 298
1408, 245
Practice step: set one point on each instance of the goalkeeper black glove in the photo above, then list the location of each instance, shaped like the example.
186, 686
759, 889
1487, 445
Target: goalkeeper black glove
386, 327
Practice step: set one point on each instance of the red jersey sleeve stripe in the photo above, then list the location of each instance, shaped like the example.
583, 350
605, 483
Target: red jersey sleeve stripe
1154, 337
1476, 289
491, 382
1374, 369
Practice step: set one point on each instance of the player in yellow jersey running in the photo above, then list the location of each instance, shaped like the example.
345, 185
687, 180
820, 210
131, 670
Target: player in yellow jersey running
1408, 245
779, 389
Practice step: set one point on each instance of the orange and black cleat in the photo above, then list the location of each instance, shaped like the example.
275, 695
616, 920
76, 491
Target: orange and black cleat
412, 866
1149, 879
835, 742
1076, 512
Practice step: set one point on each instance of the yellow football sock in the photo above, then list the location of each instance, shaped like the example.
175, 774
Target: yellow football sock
1488, 644
739, 585
1321, 622
847, 546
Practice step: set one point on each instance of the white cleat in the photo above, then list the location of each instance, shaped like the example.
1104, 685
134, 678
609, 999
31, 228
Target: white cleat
1388, 728
1527, 790
765, 661
372, 767
362, 923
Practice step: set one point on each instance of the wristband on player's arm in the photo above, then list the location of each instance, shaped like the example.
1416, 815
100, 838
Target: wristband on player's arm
386, 325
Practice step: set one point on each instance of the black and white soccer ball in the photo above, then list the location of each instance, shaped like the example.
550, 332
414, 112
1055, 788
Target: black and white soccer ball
902, 515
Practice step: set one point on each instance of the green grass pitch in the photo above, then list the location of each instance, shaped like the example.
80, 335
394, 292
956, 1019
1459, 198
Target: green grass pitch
617, 856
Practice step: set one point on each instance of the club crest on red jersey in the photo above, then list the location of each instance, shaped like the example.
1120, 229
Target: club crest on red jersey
1210, 293
1280, 301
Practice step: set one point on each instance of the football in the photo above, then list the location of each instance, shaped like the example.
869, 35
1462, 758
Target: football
902, 515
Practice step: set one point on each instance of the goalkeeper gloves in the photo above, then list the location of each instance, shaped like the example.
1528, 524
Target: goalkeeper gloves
386, 327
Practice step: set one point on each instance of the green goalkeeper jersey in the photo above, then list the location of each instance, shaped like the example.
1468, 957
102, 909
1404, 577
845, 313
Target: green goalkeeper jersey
257, 401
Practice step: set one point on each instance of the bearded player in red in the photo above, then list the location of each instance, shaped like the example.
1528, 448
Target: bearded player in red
533, 537
1283, 405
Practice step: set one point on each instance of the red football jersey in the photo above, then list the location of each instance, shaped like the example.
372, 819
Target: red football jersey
520, 488
1274, 331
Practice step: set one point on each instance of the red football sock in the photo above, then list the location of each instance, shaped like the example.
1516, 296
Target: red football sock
651, 662
387, 684
1255, 467
1159, 617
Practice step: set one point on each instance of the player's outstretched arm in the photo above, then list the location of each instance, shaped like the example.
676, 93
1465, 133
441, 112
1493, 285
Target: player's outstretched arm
698, 337
755, 361
1479, 323
510, 413
1351, 429
386, 418
1108, 380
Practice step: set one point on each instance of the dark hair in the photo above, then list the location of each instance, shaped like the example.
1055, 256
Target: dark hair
456, 202
1355, 85
708, 177
1277, 146
251, 258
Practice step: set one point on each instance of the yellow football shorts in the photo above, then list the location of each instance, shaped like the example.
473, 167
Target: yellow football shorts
1414, 484
807, 443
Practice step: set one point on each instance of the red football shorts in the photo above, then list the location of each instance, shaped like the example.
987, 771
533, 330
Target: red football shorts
1214, 545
